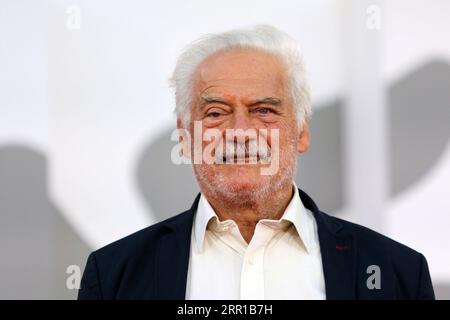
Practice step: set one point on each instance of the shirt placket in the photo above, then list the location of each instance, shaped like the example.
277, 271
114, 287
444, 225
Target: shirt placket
252, 274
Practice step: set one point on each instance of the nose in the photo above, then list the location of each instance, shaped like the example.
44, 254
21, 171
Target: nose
242, 120
241, 123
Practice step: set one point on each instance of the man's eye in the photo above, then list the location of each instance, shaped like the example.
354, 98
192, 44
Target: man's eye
214, 114
263, 111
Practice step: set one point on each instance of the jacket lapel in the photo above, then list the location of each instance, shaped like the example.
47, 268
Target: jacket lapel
338, 250
172, 256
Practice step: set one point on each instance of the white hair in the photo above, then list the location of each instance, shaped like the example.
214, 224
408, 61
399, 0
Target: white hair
260, 37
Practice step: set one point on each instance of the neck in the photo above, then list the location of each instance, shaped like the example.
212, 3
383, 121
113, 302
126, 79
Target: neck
246, 215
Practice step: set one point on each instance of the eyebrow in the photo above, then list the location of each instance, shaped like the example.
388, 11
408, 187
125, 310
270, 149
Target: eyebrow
211, 99
264, 100
267, 100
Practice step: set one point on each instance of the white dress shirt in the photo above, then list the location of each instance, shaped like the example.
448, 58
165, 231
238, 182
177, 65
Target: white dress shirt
282, 260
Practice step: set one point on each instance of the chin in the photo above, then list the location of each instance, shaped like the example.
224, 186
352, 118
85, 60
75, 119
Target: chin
246, 182
236, 183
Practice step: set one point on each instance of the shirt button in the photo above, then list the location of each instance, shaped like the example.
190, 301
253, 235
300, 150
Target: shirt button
250, 261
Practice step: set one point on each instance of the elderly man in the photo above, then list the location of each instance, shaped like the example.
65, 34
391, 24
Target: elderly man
250, 233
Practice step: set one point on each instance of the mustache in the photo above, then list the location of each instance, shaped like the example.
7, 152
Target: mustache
250, 151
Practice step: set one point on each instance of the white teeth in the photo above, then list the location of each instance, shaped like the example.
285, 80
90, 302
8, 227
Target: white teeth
249, 152
249, 160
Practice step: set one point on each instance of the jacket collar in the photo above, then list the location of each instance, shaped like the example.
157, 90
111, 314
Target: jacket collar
338, 250
172, 256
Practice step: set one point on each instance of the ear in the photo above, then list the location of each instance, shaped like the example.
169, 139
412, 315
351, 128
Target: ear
179, 123
303, 138
184, 139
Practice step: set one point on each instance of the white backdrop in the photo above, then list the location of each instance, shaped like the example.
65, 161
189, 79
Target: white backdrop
86, 83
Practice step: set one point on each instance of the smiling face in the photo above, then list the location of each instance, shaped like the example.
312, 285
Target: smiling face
246, 89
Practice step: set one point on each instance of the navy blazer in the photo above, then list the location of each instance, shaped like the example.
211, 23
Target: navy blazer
153, 263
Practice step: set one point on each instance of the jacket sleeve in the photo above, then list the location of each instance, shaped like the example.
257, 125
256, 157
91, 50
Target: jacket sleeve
425, 290
90, 284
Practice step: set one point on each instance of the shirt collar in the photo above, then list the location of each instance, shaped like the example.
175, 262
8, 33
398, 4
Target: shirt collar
204, 213
298, 215
295, 212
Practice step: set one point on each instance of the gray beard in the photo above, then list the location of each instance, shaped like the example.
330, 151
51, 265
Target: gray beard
218, 186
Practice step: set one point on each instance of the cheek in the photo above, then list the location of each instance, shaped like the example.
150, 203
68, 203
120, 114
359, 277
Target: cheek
287, 134
209, 123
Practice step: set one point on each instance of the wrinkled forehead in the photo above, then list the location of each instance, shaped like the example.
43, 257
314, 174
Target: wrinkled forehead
241, 71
